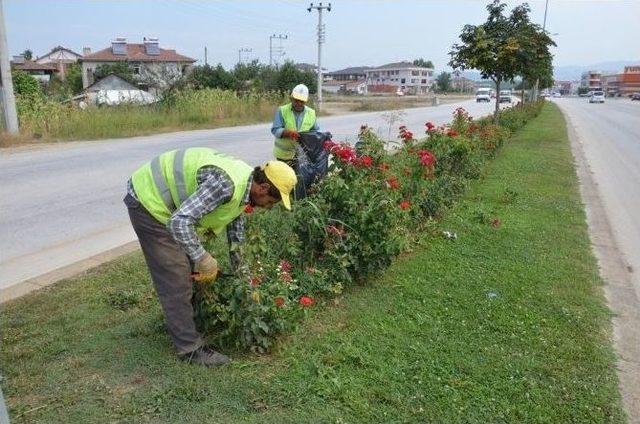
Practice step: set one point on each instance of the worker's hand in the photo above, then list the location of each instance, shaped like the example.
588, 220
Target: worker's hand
206, 269
292, 134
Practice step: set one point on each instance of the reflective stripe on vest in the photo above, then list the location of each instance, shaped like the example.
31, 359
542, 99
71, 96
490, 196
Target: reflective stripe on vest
168, 180
161, 184
285, 148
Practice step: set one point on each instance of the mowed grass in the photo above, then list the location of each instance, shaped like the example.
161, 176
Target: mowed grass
503, 324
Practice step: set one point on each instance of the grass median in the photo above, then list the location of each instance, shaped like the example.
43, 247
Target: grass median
504, 323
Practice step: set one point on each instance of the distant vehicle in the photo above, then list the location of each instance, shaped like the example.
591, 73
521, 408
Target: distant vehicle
557, 95
635, 96
597, 97
483, 95
544, 95
399, 92
505, 96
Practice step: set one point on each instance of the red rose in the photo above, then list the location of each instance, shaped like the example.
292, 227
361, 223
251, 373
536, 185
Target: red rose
255, 281
426, 158
405, 204
248, 209
393, 183
285, 266
306, 301
383, 167
367, 161
279, 301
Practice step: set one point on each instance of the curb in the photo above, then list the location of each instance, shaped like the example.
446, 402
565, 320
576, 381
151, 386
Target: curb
618, 285
18, 290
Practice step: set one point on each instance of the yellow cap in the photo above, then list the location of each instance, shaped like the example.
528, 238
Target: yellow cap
283, 177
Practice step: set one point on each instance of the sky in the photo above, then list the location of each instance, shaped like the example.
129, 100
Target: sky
357, 32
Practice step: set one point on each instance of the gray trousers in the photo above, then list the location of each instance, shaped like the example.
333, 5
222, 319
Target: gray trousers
170, 270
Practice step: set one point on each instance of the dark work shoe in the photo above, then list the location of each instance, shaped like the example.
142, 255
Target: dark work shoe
206, 357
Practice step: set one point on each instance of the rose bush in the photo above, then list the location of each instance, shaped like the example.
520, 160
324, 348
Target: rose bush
351, 226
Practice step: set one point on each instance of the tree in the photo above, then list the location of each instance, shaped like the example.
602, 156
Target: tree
207, 76
121, 69
443, 81
24, 84
502, 47
27, 54
289, 76
423, 63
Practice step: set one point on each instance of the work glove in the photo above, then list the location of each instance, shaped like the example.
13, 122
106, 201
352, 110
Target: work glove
292, 134
206, 269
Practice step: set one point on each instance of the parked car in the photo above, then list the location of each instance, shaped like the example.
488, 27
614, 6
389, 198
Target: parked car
483, 95
505, 96
597, 97
635, 96
557, 95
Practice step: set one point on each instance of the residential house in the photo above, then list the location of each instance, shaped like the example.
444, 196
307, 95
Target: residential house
611, 84
113, 90
356, 73
41, 72
591, 80
154, 68
345, 87
462, 84
401, 76
61, 57
565, 87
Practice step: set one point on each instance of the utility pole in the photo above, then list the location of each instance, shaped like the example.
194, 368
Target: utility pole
205, 55
544, 29
6, 84
279, 37
320, 8
243, 50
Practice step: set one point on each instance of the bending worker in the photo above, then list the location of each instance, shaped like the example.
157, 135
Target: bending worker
290, 119
173, 194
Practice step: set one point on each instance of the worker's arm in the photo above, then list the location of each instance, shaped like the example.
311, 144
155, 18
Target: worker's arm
278, 124
214, 189
235, 236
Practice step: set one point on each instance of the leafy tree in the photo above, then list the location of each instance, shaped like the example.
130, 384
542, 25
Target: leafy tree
248, 75
502, 47
24, 84
27, 54
73, 78
289, 76
207, 76
121, 69
423, 63
443, 81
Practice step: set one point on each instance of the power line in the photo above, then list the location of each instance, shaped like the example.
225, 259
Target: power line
321, 39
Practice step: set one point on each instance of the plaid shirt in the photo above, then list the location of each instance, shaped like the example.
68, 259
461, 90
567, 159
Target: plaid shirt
214, 189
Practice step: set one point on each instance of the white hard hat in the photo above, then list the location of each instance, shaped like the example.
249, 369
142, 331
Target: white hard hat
300, 92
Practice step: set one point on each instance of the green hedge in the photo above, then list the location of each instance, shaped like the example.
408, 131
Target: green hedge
356, 221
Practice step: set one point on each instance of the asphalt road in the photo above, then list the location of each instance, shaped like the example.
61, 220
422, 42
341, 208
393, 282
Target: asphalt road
610, 137
62, 203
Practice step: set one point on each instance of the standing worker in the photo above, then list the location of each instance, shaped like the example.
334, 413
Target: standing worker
173, 194
290, 120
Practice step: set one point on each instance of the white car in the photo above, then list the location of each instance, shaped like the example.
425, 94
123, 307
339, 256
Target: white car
556, 94
483, 95
596, 97
505, 96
